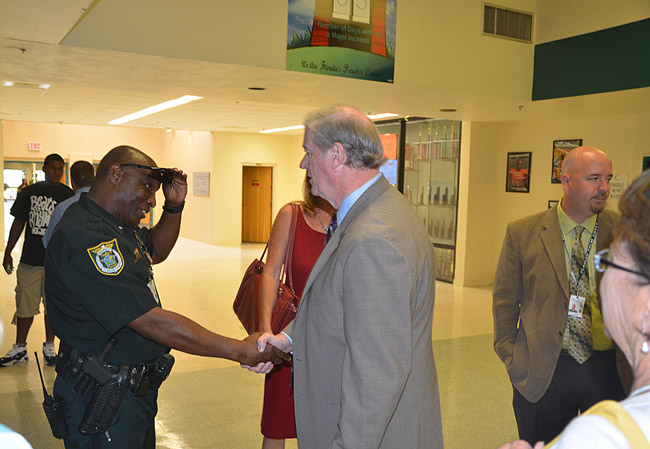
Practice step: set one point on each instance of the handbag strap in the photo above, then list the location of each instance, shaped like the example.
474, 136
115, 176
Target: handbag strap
288, 255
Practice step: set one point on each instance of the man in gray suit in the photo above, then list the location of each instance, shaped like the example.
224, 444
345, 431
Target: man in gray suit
548, 330
364, 374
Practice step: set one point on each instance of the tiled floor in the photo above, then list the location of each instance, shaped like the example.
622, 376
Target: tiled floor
211, 403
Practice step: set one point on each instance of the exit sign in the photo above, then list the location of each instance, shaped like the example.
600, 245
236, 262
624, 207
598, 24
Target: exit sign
34, 146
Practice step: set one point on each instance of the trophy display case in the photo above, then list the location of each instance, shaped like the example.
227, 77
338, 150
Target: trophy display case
426, 171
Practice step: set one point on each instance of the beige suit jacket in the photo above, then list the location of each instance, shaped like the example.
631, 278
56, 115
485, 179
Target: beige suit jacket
364, 375
531, 298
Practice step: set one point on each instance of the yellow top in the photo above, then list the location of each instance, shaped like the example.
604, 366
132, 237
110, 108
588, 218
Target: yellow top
614, 412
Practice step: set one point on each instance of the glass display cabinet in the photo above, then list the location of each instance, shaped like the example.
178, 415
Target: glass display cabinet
426, 171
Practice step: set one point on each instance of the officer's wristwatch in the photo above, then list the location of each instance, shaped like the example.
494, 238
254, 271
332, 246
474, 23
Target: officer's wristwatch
174, 209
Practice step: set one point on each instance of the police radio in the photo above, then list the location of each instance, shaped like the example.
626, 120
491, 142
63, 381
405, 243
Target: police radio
53, 409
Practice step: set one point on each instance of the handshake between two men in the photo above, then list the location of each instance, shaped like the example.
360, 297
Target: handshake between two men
278, 345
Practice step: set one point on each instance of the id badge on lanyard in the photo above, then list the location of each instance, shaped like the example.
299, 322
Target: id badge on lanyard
576, 302
576, 306
150, 282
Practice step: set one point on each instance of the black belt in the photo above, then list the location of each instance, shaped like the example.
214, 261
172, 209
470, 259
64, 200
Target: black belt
143, 377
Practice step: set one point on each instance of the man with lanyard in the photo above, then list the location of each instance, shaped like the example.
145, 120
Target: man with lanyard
548, 330
99, 276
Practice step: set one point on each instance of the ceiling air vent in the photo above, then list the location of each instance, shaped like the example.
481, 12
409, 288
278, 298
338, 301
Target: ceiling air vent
507, 23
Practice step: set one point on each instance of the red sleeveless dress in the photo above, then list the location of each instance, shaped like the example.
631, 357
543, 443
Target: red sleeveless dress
278, 420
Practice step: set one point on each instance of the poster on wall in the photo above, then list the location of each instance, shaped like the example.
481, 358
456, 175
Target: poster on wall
201, 183
560, 150
618, 186
389, 168
350, 38
518, 172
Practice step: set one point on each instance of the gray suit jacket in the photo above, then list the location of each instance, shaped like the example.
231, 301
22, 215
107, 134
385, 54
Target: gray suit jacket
364, 375
531, 298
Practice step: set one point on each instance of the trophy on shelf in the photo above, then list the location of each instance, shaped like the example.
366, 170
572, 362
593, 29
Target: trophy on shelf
445, 144
408, 193
453, 143
450, 230
408, 157
436, 142
436, 196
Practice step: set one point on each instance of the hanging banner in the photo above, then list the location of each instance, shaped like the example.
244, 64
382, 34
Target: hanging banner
349, 38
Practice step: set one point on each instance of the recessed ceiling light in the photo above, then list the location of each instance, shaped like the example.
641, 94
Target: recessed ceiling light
448, 110
155, 109
8, 83
257, 88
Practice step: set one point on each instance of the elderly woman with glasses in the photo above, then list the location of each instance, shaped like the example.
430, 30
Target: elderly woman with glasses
625, 292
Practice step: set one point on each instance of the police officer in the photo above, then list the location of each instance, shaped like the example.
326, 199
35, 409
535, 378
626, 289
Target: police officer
99, 283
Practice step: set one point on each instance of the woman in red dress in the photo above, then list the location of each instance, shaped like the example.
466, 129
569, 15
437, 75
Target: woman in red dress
278, 420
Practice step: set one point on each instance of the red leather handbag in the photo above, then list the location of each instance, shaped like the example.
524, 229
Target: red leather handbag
246, 304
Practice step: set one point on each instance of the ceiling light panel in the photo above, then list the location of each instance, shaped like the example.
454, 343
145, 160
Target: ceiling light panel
155, 109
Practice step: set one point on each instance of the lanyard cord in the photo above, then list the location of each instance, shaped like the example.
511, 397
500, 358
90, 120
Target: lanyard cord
584, 262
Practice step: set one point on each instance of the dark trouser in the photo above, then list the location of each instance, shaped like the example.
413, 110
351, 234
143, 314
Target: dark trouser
574, 388
132, 426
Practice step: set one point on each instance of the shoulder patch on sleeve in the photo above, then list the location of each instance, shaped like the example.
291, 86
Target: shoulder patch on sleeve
107, 258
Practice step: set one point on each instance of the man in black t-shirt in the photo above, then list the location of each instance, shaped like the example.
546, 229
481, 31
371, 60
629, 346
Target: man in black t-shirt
32, 210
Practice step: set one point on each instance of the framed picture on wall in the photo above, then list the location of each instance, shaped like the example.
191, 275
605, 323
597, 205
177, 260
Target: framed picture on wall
560, 150
646, 163
518, 172
552, 203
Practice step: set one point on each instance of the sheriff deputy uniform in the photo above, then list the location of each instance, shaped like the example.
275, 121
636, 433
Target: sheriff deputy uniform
98, 279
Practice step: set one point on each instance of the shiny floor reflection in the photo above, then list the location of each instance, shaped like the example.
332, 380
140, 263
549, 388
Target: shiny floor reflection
212, 403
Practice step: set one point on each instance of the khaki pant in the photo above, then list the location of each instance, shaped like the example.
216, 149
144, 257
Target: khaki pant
29, 290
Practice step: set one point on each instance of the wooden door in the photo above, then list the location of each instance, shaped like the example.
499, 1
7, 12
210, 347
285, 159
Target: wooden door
257, 186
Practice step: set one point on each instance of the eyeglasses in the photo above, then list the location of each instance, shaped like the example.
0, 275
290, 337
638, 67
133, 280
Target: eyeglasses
602, 261
162, 175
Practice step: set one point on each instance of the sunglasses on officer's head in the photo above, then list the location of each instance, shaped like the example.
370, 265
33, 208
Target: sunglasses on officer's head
162, 175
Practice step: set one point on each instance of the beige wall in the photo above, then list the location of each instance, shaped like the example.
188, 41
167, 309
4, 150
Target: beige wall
215, 219
191, 151
559, 19
490, 208
477, 202
439, 43
74, 139
232, 152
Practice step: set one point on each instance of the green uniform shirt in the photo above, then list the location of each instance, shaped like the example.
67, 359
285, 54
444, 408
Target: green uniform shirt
98, 279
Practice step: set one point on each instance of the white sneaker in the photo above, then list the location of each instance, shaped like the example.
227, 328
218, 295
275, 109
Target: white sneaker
49, 354
17, 354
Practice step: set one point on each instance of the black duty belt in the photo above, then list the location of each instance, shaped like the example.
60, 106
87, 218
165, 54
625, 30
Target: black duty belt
143, 377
